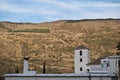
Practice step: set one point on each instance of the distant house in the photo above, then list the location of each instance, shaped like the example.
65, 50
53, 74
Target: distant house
102, 69
99, 66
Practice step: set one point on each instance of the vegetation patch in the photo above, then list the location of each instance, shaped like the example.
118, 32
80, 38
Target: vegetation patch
74, 21
2, 26
34, 30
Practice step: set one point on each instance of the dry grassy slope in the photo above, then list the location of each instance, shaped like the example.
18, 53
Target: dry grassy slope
56, 47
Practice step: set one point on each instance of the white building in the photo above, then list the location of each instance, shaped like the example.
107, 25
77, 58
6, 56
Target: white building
105, 65
101, 69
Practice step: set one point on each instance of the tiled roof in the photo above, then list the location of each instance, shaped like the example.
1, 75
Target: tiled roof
97, 61
81, 47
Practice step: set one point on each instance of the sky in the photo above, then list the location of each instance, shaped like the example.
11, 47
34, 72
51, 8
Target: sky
36, 11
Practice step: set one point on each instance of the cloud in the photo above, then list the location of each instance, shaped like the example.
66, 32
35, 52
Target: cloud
5, 6
101, 4
58, 3
76, 4
50, 10
53, 6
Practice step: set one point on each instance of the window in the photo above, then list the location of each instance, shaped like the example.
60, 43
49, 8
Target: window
80, 53
80, 59
80, 68
88, 70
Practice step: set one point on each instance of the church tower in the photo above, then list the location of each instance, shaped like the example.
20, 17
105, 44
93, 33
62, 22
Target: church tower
81, 58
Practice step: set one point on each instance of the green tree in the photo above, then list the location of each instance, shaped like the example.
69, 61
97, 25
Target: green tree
44, 68
17, 70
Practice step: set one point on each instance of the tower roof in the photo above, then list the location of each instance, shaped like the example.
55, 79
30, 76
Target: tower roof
26, 58
81, 47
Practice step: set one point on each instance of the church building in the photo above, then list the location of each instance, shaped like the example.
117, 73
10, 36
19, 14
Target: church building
106, 68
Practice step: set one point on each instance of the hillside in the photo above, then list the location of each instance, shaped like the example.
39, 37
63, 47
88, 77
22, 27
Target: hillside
54, 42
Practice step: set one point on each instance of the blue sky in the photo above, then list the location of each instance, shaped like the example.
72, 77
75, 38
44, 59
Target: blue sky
51, 10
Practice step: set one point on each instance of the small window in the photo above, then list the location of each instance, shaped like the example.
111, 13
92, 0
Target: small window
80, 53
88, 70
80, 59
80, 68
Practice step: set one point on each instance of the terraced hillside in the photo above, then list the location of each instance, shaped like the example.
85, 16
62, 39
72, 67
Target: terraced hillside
54, 43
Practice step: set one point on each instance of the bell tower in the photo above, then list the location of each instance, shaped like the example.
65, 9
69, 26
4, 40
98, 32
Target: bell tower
81, 58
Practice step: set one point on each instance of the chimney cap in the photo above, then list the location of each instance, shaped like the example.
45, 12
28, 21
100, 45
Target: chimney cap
26, 58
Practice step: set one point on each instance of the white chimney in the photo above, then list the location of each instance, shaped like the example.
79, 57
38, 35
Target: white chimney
26, 64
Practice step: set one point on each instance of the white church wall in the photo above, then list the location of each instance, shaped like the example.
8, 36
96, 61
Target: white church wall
57, 78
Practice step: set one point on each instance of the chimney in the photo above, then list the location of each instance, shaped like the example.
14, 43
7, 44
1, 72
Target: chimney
26, 64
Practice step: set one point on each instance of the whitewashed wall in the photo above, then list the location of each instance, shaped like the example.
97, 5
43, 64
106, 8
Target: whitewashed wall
94, 67
57, 78
113, 61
